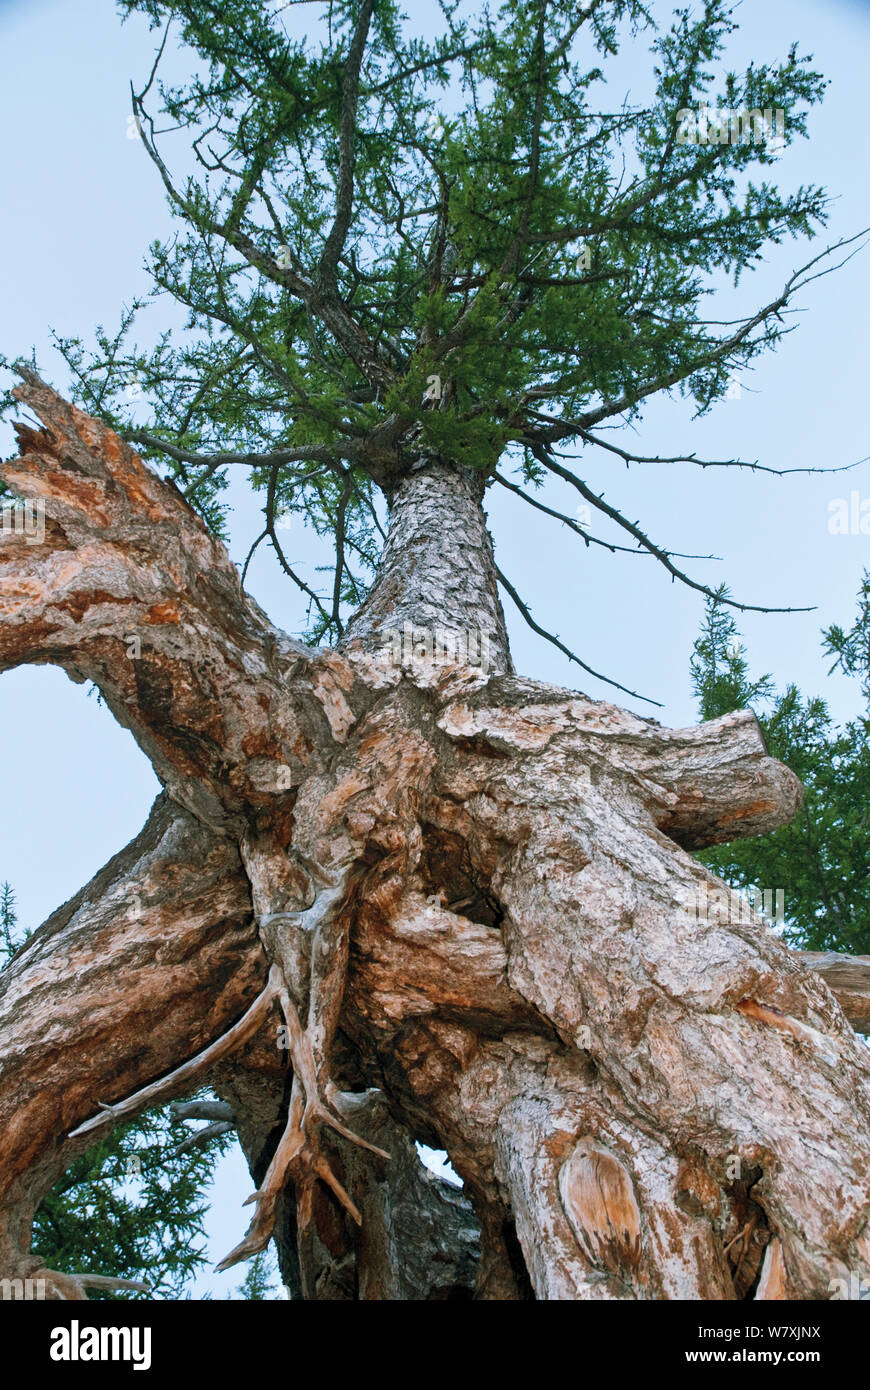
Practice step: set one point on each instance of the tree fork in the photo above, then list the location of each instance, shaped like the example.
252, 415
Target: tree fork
471, 892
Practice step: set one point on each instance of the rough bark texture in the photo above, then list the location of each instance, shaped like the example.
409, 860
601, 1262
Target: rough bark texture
849, 978
463, 902
437, 569
153, 958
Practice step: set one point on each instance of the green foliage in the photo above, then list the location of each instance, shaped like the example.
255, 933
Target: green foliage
260, 1276
132, 1207
9, 934
505, 223
851, 649
719, 669
820, 860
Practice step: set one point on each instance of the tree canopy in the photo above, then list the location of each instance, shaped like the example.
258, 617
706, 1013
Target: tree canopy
389, 242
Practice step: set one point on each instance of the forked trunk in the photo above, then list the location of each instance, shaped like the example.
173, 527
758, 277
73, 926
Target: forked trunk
460, 902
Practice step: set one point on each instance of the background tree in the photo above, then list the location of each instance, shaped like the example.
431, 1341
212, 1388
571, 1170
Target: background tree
458, 895
820, 861
132, 1207
8, 922
259, 1281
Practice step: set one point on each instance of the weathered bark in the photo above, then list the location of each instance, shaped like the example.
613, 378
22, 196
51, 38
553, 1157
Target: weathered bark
152, 959
437, 570
478, 925
849, 979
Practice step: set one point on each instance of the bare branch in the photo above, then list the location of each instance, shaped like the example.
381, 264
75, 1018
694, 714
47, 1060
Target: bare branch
201, 1110
108, 1281
241, 1032
708, 463
344, 192
549, 636
270, 531
204, 1135
304, 453
585, 535
663, 556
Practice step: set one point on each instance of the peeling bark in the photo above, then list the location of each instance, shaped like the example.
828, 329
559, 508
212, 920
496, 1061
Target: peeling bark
849, 979
465, 903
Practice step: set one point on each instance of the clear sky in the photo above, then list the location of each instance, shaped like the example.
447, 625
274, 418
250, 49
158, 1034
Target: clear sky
81, 202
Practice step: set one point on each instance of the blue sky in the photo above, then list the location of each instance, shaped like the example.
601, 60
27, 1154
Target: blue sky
81, 204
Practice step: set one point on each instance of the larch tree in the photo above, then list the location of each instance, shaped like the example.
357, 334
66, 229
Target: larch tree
818, 863
392, 890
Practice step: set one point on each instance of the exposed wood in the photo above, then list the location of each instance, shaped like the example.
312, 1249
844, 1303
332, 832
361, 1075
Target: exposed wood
109, 1281
772, 1285
201, 1110
848, 977
598, 1196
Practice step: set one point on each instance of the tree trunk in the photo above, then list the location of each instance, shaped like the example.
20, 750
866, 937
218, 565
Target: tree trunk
396, 892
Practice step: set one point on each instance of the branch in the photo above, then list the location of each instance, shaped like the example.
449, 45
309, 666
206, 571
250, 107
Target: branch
190, 1071
755, 467
549, 636
270, 532
163, 952
714, 782
575, 526
330, 309
848, 977
702, 786
304, 453
108, 1281
201, 1110
344, 193
202, 1136
129, 589
663, 556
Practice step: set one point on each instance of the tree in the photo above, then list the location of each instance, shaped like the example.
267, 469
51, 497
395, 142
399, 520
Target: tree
393, 891
258, 1283
8, 921
818, 862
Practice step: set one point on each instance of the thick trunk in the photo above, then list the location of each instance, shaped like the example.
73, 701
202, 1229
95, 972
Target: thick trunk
466, 901
436, 576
